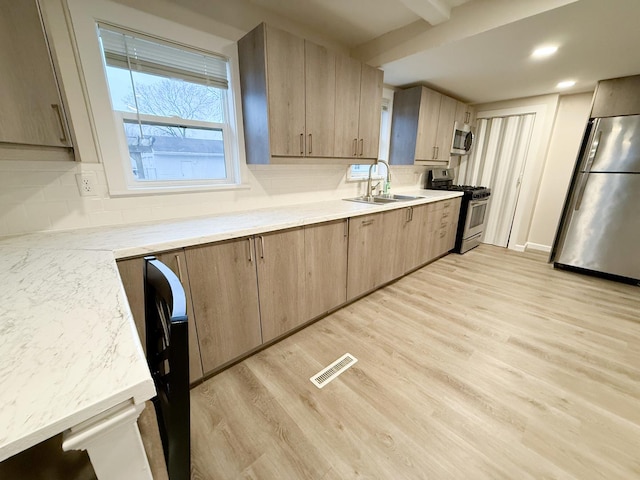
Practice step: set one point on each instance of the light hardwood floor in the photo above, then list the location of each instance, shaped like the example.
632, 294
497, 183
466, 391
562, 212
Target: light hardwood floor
488, 365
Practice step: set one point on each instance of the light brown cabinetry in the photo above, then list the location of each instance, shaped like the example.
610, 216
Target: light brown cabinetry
358, 104
445, 224
132, 275
281, 281
30, 102
325, 247
417, 237
373, 251
302, 102
288, 96
446, 122
224, 290
422, 126
465, 114
366, 242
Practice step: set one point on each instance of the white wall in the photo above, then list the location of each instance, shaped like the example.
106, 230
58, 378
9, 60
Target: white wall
564, 124
571, 120
545, 107
43, 196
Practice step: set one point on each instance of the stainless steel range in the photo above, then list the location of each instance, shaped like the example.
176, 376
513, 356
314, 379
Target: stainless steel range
473, 208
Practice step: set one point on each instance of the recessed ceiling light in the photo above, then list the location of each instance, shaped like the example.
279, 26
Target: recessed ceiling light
543, 52
566, 84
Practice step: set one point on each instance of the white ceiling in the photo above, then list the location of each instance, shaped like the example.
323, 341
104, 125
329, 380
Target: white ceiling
481, 53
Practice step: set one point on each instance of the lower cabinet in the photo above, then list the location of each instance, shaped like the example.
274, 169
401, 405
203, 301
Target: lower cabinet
325, 247
224, 291
132, 275
366, 247
281, 281
244, 292
445, 224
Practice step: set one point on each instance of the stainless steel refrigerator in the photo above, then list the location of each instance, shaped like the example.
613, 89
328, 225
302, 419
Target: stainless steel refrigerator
600, 227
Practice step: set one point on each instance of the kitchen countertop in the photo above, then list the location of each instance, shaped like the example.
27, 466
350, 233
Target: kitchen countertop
68, 347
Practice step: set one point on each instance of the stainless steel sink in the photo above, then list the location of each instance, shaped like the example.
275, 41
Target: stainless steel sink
382, 199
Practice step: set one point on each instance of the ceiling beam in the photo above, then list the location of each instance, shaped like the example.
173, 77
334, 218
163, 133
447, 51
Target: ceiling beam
433, 11
467, 20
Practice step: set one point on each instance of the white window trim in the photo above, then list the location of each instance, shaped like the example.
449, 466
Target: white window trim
387, 95
110, 139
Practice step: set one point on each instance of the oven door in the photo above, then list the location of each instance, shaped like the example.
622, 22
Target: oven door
476, 213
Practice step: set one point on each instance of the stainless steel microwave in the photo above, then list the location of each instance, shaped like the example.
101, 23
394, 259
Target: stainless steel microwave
462, 139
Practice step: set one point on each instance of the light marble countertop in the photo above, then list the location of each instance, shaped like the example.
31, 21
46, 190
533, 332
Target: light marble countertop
68, 347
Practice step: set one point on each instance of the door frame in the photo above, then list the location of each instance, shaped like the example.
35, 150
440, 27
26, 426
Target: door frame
533, 165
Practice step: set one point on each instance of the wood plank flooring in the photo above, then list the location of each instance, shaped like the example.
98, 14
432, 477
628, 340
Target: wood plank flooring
488, 365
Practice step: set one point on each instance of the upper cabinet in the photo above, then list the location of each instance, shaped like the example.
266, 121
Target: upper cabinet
303, 103
465, 114
357, 112
422, 126
33, 114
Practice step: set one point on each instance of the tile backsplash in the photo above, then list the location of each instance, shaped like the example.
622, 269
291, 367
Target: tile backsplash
43, 196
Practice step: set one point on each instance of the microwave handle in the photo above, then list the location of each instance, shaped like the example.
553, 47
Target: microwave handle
468, 141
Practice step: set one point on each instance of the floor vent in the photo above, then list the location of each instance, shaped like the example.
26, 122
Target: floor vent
323, 377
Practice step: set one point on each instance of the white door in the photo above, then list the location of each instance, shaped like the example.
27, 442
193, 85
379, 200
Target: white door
498, 161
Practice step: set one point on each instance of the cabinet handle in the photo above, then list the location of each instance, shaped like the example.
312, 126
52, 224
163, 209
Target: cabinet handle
408, 219
361, 146
346, 228
56, 107
302, 144
411, 217
366, 223
250, 250
434, 153
179, 268
437, 152
355, 147
261, 246
310, 144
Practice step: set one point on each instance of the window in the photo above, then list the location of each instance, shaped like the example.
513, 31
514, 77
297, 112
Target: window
360, 172
171, 104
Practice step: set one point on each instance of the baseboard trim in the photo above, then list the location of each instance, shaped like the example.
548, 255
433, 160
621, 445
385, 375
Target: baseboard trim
538, 247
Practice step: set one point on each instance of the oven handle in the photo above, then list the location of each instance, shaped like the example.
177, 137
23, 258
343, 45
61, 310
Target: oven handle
478, 202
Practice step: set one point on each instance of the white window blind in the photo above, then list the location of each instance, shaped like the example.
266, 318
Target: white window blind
127, 50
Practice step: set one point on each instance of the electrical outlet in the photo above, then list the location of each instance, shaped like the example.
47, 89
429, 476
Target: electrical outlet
87, 184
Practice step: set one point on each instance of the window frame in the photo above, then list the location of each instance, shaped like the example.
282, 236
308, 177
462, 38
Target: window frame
107, 123
385, 133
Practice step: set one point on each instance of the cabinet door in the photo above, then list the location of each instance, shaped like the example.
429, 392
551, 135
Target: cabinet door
176, 261
446, 122
426, 141
370, 112
281, 280
417, 237
366, 243
320, 85
132, 275
397, 228
325, 248
462, 113
347, 106
472, 115
286, 92
225, 300
29, 97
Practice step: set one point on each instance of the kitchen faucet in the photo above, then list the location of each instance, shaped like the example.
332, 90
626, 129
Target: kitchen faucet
387, 181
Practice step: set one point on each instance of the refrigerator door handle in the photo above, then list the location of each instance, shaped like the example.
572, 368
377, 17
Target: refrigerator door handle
587, 169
